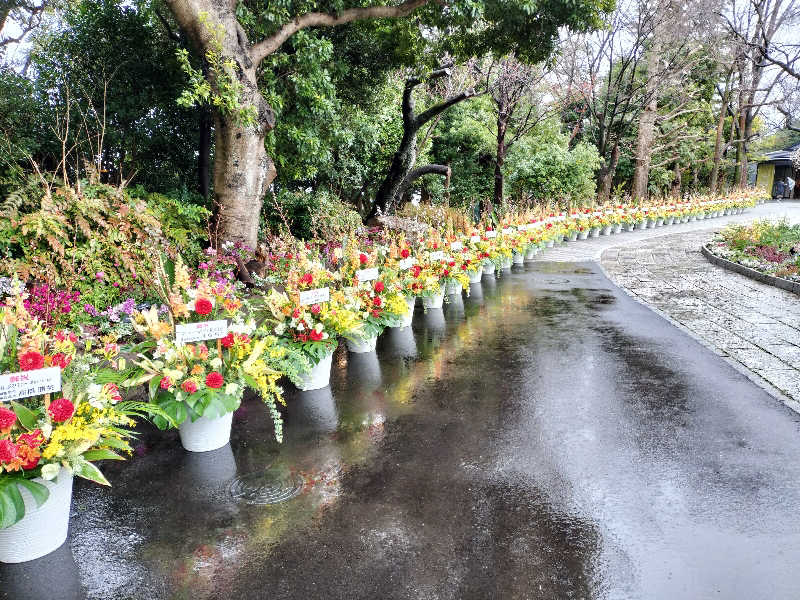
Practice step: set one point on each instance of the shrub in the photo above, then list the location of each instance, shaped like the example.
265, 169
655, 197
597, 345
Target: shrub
311, 214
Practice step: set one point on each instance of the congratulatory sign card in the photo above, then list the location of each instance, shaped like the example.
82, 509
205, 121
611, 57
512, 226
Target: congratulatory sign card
30, 383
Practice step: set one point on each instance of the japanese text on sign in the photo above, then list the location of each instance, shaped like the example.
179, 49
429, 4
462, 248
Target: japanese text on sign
456, 246
491, 234
406, 263
438, 255
315, 296
30, 383
187, 333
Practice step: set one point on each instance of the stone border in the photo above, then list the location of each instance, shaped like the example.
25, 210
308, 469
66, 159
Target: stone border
779, 282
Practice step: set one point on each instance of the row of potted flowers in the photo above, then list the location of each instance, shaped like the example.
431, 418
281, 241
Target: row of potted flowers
197, 351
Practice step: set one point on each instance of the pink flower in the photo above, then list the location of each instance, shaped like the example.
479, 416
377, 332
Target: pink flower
214, 380
165, 383
7, 419
100, 275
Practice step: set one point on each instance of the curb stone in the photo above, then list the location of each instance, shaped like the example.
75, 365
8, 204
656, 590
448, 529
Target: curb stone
778, 282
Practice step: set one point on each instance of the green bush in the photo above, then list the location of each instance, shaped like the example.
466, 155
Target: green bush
310, 214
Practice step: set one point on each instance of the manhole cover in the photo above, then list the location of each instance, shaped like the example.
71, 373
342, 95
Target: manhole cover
266, 487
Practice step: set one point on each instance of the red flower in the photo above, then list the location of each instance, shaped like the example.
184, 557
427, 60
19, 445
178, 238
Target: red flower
28, 361
446, 272
203, 306
362, 258
214, 380
379, 287
464, 267
7, 419
60, 360
165, 383
315, 309
375, 314
307, 279
227, 341
377, 301
33, 439
61, 410
452, 263
316, 336
31, 458
404, 252
8, 451
416, 270
189, 386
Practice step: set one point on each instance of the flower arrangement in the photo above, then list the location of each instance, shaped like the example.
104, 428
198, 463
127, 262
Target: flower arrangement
67, 429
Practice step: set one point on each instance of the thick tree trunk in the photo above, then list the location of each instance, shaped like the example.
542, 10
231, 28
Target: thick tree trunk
502, 127
676, 181
644, 147
606, 175
204, 155
242, 168
719, 138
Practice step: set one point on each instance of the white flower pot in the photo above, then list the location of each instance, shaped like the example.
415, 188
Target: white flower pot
659, 222
531, 253
692, 218
641, 224
618, 228
582, 235
669, 221
361, 344
573, 235
507, 262
205, 433
549, 243
594, 232
606, 230
453, 288
43, 529
434, 301
319, 377
475, 276
685, 219
629, 226
488, 267
409, 317
518, 258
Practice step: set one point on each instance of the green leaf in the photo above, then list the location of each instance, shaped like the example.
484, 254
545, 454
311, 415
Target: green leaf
152, 387
83, 468
39, 491
114, 443
12, 508
101, 454
26, 416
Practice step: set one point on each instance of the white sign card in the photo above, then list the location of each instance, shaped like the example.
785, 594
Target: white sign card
474, 238
507, 230
456, 246
491, 234
367, 274
406, 263
30, 383
438, 255
315, 296
187, 333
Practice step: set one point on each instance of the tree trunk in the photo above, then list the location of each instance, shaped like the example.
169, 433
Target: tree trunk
204, 155
242, 168
606, 175
647, 126
502, 126
719, 139
676, 181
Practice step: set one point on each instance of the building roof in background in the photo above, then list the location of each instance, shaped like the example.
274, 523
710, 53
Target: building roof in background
781, 157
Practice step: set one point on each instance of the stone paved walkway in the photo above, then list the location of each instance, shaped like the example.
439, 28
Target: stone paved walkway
753, 325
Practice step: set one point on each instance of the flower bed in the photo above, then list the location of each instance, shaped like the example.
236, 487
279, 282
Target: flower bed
769, 248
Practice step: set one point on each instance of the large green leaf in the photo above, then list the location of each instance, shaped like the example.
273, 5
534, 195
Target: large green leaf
26, 416
87, 470
38, 490
12, 508
101, 454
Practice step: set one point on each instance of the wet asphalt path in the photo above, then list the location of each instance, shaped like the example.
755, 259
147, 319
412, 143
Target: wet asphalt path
547, 438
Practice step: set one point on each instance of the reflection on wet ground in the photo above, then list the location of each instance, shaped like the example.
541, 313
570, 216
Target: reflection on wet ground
545, 437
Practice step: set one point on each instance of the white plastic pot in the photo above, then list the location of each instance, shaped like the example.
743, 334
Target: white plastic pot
669, 221
409, 317
453, 288
507, 262
319, 377
475, 276
606, 230
549, 243
530, 254
434, 301
685, 219
583, 235
629, 226
205, 433
659, 222
361, 344
618, 228
518, 258
573, 235
594, 232
43, 529
488, 267
641, 224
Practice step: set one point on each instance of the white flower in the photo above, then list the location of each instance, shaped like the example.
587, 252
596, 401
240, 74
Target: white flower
215, 362
49, 471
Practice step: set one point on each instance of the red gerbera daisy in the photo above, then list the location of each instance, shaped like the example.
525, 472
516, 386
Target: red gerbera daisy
28, 361
214, 380
203, 306
61, 410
